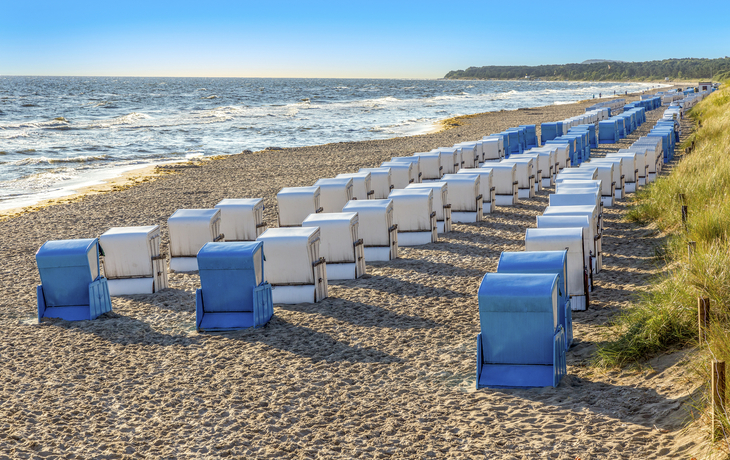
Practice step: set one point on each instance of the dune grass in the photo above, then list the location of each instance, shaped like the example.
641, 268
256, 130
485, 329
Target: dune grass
666, 315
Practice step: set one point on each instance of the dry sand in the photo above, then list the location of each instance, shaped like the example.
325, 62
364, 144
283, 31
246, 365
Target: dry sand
385, 367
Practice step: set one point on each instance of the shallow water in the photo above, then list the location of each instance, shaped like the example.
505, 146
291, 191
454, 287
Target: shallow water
61, 133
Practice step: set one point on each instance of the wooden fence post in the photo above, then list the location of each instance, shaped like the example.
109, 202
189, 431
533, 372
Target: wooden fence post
717, 386
703, 317
691, 246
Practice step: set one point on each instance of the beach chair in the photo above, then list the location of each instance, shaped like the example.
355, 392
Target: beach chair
361, 185
380, 181
525, 175
233, 291
504, 178
561, 239
604, 173
546, 160
376, 228
431, 168
189, 230
486, 187
469, 155
464, 197
492, 146
416, 162
296, 271
450, 159
72, 287
441, 203
340, 244
401, 174
521, 344
334, 193
551, 262
296, 203
242, 219
618, 175
643, 162
132, 260
630, 169
414, 216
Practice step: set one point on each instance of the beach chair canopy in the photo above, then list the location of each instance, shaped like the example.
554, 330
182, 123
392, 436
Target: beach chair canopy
242, 219
290, 254
375, 217
440, 196
380, 180
361, 184
190, 229
296, 203
412, 208
338, 233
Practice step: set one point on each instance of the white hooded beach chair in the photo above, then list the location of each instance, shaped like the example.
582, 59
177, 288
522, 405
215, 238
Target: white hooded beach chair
380, 181
525, 175
504, 178
376, 228
469, 155
492, 148
334, 193
630, 169
294, 268
546, 160
618, 175
644, 161
361, 185
604, 173
401, 174
189, 230
450, 159
563, 155
590, 237
560, 239
486, 186
414, 215
132, 260
296, 203
242, 219
441, 203
593, 214
340, 244
465, 197
431, 168
416, 162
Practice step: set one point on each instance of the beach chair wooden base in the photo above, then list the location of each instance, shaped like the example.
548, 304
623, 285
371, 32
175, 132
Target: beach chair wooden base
619, 194
184, 264
523, 375
547, 182
99, 303
525, 193
607, 201
486, 208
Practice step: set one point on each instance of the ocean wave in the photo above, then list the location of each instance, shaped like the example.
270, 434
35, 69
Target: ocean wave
51, 161
213, 96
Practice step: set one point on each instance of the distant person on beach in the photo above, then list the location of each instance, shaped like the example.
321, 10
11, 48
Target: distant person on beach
599, 95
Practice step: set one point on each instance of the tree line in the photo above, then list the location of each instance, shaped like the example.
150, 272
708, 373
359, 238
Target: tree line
674, 69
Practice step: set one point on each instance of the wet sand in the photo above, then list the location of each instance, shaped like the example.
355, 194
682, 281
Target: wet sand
385, 367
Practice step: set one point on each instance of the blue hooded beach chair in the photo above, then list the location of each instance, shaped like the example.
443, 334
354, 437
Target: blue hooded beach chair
72, 287
233, 292
521, 344
551, 262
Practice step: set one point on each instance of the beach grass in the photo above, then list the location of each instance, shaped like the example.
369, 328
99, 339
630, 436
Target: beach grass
665, 317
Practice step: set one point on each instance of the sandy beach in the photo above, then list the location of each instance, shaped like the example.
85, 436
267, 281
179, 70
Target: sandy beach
383, 368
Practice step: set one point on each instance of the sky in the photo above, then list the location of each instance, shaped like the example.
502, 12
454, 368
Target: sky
375, 39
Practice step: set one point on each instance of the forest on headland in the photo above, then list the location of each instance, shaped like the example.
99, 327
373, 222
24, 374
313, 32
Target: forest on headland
674, 69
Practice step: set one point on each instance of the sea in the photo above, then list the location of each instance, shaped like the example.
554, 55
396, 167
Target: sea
60, 134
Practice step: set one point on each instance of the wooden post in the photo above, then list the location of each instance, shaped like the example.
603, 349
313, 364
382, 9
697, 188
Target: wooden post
703, 317
691, 246
717, 386
684, 209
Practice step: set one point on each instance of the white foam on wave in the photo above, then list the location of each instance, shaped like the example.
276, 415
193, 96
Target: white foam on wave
51, 161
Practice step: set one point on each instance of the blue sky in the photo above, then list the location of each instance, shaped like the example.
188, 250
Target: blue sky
373, 39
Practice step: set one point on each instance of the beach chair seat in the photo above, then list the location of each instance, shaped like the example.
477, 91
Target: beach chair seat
441, 202
414, 216
189, 230
380, 180
464, 197
361, 185
504, 178
72, 287
294, 267
416, 173
242, 219
431, 168
340, 244
377, 229
233, 291
521, 344
486, 186
334, 193
555, 262
296, 203
571, 239
525, 175
132, 261
401, 174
